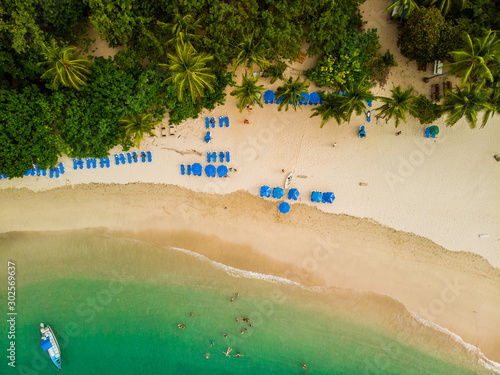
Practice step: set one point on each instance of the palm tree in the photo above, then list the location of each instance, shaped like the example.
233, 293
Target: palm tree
188, 69
494, 106
445, 5
476, 58
467, 102
397, 104
291, 92
65, 68
249, 53
358, 95
182, 29
248, 92
407, 6
332, 107
136, 126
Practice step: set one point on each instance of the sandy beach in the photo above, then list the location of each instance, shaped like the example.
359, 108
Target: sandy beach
425, 230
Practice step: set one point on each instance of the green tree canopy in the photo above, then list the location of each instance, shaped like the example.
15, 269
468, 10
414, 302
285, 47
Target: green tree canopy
332, 107
248, 92
467, 101
249, 53
291, 92
398, 104
135, 126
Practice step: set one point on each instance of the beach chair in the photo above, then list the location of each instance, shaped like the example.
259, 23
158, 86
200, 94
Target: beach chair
51, 174
362, 132
75, 164
226, 120
369, 101
129, 157
44, 172
135, 157
143, 156
221, 122
122, 159
183, 169
427, 132
88, 163
214, 157
209, 157
207, 122
228, 159
117, 159
212, 120
221, 157
150, 157
61, 166
27, 173
369, 116
265, 101
80, 163
208, 137
189, 170
101, 162
56, 172
107, 162
38, 171
93, 161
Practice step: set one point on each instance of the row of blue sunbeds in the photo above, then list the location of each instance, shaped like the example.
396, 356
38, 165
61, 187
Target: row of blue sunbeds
197, 169
212, 156
36, 171
293, 194
223, 121
133, 157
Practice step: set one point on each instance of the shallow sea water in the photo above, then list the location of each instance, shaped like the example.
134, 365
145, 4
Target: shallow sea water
115, 304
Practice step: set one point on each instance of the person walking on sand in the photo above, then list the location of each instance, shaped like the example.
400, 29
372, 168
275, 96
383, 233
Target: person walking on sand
245, 121
334, 144
228, 351
398, 133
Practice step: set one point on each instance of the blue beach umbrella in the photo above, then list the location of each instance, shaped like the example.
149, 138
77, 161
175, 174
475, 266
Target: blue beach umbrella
269, 95
222, 170
210, 170
265, 191
305, 99
328, 197
314, 97
197, 168
316, 196
293, 194
284, 207
277, 192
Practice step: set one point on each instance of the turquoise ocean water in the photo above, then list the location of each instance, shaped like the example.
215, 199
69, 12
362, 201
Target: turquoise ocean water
115, 304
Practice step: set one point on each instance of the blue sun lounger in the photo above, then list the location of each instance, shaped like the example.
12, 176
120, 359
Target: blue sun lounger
209, 157
93, 161
143, 156
117, 159
221, 157
75, 164
183, 169
207, 122
135, 157
368, 116
208, 137
150, 157
56, 172
221, 122
228, 159
101, 162
212, 120
226, 120
369, 101
44, 172
38, 171
129, 158
214, 157
88, 163
80, 163
107, 162
51, 174
189, 170
362, 132
61, 166
122, 159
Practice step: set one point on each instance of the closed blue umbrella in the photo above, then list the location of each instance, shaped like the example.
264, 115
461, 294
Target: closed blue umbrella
265, 191
284, 207
222, 170
197, 169
210, 170
314, 98
277, 192
328, 197
316, 196
293, 194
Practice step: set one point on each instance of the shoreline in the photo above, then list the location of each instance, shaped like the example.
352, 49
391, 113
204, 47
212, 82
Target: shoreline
307, 246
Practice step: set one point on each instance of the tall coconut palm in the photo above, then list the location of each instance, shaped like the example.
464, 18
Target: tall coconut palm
189, 71
467, 102
65, 68
332, 107
249, 53
291, 92
135, 127
494, 106
406, 7
182, 29
400, 102
356, 100
248, 92
476, 59
445, 5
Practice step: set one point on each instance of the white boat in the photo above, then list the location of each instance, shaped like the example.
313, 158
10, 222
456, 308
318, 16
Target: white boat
288, 180
50, 345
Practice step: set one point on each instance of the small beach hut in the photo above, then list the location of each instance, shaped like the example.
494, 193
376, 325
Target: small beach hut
222, 171
314, 98
210, 170
284, 207
328, 197
269, 96
316, 196
277, 192
265, 191
293, 194
196, 168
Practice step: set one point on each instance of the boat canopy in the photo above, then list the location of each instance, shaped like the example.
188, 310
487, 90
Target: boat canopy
46, 344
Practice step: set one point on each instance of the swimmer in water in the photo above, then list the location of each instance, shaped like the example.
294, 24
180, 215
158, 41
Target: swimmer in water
228, 351
225, 334
207, 355
212, 343
238, 355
